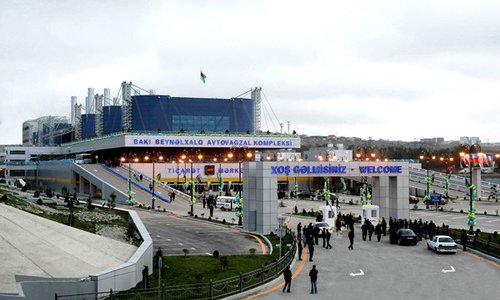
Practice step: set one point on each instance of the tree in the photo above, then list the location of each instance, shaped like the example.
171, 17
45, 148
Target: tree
89, 203
64, 191
49, 193
112, 200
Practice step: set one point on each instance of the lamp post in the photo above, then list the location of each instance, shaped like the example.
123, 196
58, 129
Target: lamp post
428, 179
192, 188
129, 192
154, 159
471, 149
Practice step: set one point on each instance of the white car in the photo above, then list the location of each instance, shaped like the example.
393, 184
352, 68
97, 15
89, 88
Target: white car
322, 225
464, 171
442, 243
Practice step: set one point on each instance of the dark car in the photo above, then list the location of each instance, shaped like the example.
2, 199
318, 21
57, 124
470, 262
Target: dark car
333, 197
406, 237
306, 194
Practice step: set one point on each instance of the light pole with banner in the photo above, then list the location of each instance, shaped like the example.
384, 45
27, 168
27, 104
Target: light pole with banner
154, 159
471, 149
281, 232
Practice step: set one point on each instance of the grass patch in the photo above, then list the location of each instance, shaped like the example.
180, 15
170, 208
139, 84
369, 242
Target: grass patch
179, 270
60, 213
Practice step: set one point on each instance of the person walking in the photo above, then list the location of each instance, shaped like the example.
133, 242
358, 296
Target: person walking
384, 226
364, 230
300, 247
463, 239
287, 275
323, 237
370, 230
311, 249
378, 232
351, 239
314, 278
299, 230
328, 236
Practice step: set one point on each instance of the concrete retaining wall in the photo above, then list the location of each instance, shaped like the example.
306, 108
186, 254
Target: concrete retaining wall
127, 275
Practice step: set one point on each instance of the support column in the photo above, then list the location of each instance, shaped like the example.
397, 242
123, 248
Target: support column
380, 193
260, 195
249, 197
476, 180
399, 197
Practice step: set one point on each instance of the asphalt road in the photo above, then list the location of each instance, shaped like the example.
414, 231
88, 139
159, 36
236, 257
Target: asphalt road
175, 233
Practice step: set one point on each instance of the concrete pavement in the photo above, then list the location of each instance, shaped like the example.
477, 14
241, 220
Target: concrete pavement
385, 271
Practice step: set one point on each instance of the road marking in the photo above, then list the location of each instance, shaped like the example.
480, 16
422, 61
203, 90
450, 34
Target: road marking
361, 273
459, 217
493, 221
279, 286
180, 244
262, 246
448, 271
480, 258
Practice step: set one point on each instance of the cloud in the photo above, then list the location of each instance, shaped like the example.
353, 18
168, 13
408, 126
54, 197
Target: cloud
378, 69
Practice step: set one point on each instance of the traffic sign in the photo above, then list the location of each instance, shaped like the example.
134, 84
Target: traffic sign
436, 197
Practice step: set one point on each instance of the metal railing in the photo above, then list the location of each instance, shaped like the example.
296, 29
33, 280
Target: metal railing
203, 291
490, 247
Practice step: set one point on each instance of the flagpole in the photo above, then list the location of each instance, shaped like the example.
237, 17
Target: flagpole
192, 189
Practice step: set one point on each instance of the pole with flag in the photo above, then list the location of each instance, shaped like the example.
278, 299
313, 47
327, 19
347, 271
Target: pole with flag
221, 183
203, 77
326, 192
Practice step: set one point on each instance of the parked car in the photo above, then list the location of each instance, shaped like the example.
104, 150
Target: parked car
333, 197
322, 225
442, 243
442, 202
413, 199
306, 194
406, 236
226, 203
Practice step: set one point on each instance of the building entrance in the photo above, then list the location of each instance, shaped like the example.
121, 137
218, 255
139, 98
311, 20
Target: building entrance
389, 181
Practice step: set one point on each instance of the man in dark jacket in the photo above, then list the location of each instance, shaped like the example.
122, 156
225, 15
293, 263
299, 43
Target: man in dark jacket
351, 239
463, 239
314, 278
287, 275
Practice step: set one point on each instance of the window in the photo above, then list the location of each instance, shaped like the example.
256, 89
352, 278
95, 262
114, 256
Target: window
17, 152
20, 173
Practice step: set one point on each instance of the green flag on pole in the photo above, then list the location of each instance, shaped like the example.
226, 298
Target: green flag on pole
203, 77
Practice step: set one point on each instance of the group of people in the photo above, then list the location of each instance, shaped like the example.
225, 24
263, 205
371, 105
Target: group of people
313, 275
367, 229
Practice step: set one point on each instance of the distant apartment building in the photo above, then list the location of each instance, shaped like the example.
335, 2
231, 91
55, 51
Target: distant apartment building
434, 140
469, 140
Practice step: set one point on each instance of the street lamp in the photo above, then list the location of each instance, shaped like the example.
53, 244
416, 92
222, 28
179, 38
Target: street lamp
129, 192
428, 179
471, 149
154, 159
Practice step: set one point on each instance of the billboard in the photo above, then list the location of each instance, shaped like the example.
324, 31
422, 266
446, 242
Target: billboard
481, 160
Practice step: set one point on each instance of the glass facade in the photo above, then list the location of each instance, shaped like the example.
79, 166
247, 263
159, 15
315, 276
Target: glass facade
195, 123
155, 113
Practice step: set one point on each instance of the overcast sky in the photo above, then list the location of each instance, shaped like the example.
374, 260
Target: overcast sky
398, 70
